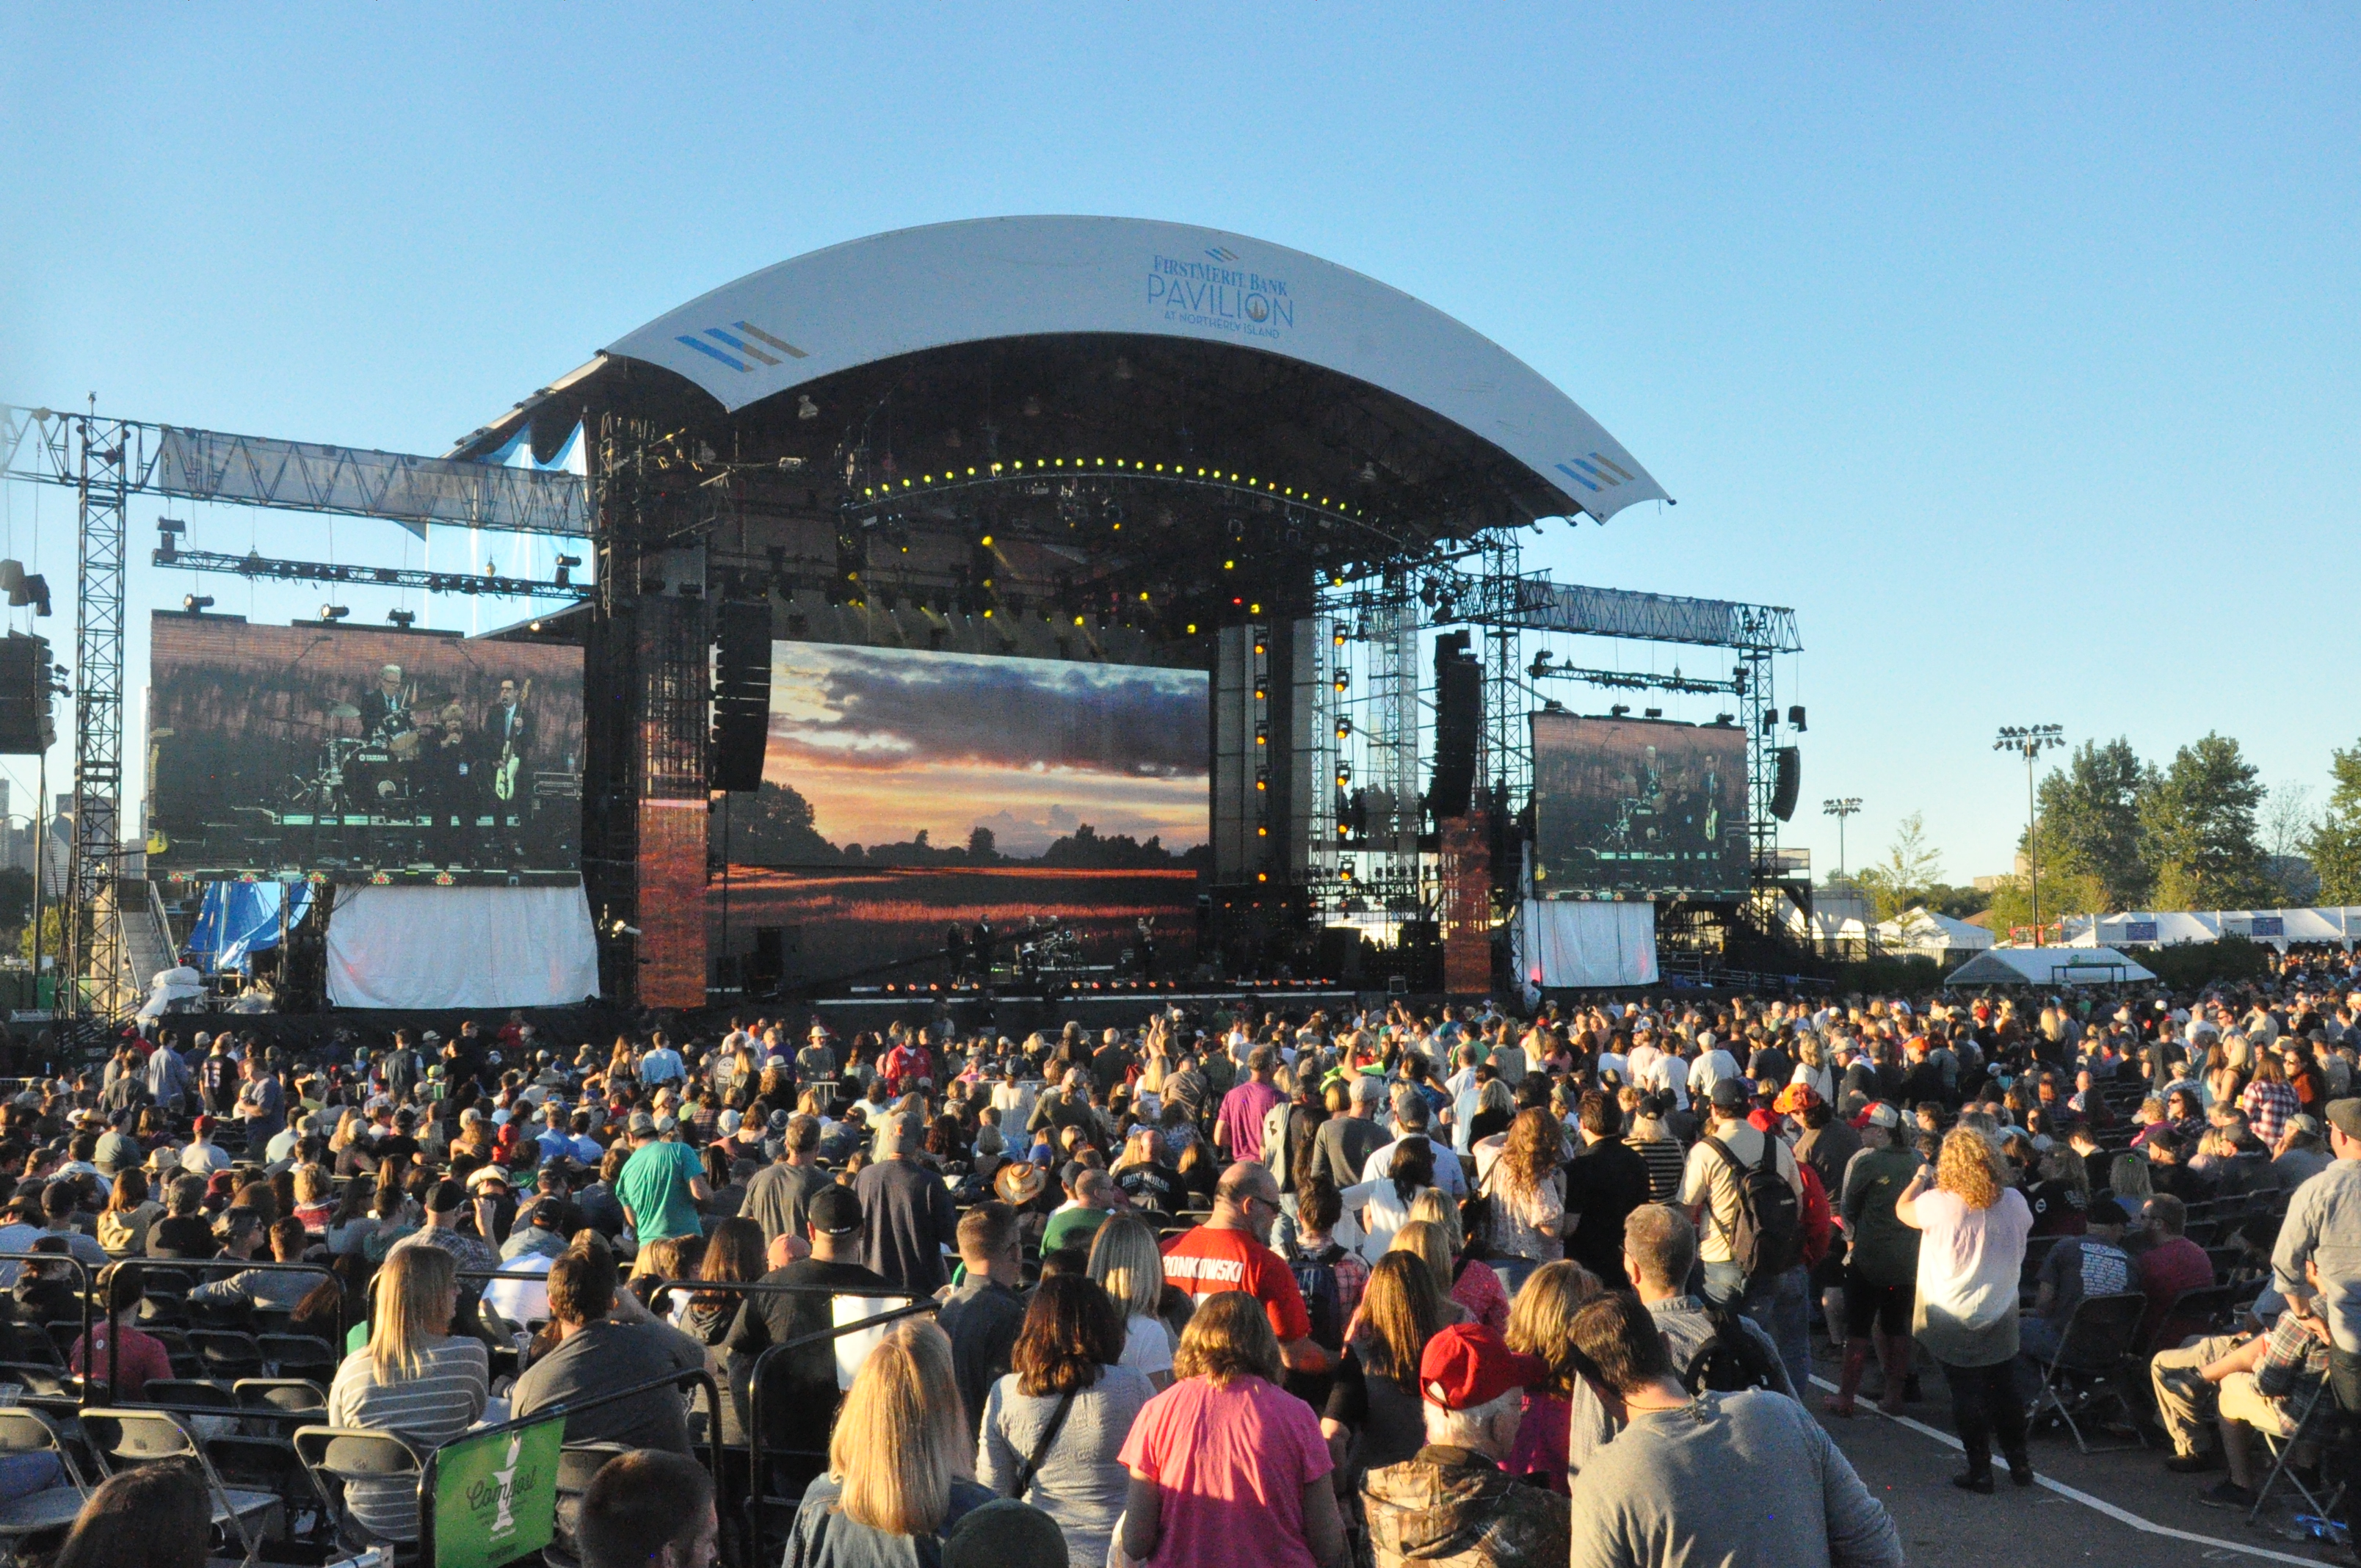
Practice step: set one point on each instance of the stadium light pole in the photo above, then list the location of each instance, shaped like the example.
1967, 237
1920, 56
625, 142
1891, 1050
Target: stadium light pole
1840, 809
2030, 741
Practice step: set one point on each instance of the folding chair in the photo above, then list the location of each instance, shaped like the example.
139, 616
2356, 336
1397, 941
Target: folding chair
335, 1456
228, 1355
2313, 1416
577, 1464
2211, 1307
2086, 1375
126, 1437
23, 1432
186, 1391
305, 1356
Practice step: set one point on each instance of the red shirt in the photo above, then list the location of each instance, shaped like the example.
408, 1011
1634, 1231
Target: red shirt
1231, 1463
143, 1357
1207, 1261
2166, 1270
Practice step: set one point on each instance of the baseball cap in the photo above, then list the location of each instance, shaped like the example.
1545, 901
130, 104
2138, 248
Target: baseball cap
207, 1123
2106, 1211
643, 1125
2344, 1115
489, 1176
2304, 1124
1795, 1098
1005, 1533
1467, 1365
1881, 1115
444, 1197
834, 1210
1731, 1094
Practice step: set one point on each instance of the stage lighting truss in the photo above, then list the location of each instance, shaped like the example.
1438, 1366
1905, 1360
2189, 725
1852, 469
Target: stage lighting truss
1083, 490
261, 568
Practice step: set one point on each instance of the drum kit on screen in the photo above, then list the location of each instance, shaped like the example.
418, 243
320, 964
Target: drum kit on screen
360, 775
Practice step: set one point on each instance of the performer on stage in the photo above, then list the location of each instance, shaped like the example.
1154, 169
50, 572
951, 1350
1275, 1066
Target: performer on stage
507, 735
386, 710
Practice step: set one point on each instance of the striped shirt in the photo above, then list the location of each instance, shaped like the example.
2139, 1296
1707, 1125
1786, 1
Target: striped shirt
441, 1402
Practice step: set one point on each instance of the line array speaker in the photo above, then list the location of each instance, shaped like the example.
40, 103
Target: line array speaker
741, 693
27, 728
1459, 725
1786, 783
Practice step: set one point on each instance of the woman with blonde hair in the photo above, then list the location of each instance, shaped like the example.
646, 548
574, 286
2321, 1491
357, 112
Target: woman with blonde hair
1466, 1279
123, 1225
414, 1379
1972, 1227
900, 1463
1812, 1067
1540, 1325
1129, 1266
1372, 1415
1227, 1469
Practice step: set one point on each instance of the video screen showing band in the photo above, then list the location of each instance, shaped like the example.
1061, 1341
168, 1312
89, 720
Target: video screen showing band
1638, 806
365, 756
925, 815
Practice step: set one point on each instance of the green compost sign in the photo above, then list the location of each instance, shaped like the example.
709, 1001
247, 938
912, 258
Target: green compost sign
496, 1494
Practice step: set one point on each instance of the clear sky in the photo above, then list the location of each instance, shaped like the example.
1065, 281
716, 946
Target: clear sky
2016, 351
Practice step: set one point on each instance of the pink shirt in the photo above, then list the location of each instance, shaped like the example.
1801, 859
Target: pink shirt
1232, 1464
1243, 1109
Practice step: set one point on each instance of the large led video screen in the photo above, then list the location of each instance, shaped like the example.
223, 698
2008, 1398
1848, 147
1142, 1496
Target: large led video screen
1638, 806
362, 756
1061, 804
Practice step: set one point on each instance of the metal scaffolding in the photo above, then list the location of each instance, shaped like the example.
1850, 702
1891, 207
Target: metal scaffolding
103, 476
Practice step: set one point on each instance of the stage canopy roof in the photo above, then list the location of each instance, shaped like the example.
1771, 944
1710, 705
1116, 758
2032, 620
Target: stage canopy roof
960, 344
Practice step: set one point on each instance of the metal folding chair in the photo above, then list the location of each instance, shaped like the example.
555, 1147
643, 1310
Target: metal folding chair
126, 1437
332, 1456
23, 1430
2085, 1378
2314, 1414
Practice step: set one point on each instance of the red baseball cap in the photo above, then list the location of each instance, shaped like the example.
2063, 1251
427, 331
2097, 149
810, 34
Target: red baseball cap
205, 1124
1467, 1365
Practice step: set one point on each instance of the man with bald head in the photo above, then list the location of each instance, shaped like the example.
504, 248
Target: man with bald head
1231, 1251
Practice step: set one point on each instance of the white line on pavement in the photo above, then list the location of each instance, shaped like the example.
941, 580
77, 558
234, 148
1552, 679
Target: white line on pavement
2121, 1516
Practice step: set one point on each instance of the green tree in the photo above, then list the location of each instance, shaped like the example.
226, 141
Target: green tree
1911, 870
2336, 842
2090, 840
982, 846
2198, 824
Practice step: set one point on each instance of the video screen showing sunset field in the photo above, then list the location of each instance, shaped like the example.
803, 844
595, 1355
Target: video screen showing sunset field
904, 793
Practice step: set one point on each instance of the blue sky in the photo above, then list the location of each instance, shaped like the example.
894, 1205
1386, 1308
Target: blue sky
2016, 351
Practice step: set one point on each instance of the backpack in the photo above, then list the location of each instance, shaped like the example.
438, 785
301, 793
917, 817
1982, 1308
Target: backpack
1729, 1361
1768, 1239
1315, 1276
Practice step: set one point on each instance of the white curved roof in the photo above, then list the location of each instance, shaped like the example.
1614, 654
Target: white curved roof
919, 289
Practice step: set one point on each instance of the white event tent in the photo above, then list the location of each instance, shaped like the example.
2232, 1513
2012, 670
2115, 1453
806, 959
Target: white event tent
2048, 966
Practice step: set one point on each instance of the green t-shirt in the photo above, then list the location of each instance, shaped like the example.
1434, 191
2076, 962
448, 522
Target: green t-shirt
1075, 1227
653, 1185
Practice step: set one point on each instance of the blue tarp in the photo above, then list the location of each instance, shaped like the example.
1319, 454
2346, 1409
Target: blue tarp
238, 919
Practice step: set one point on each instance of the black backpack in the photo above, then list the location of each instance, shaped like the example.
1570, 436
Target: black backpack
1730, 1360
1768, 1239
1315, 1276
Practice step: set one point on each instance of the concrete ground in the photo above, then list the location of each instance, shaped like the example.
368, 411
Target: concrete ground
1908, 1465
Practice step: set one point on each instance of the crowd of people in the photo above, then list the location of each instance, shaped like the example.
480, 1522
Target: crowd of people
1241, 1287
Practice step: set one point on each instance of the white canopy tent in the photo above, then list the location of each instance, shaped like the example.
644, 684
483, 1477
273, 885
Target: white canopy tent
2340, 924
2048, 966
1923, 930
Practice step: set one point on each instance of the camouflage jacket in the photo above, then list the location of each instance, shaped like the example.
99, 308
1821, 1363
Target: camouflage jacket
1454, 1508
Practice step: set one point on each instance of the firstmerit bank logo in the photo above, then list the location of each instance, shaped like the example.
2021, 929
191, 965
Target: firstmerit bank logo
1218, 297
732, 349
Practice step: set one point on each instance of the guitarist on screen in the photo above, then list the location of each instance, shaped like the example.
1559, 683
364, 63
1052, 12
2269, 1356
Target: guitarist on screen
507, 733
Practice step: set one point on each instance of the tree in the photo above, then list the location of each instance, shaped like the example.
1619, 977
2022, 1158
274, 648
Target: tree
2335, 844
774, 827
2287, 827
983, 847
2089, 837
1912, 867
2198, 824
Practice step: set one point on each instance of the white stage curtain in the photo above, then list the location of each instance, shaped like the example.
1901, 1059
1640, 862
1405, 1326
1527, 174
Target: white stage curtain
1571, 943
461, 947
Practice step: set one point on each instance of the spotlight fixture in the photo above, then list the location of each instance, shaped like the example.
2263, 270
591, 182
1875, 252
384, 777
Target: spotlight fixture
333, 611
566, 564
197, 604
1652, 713
405, 618
1796, 719
806, 407
1618, 709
